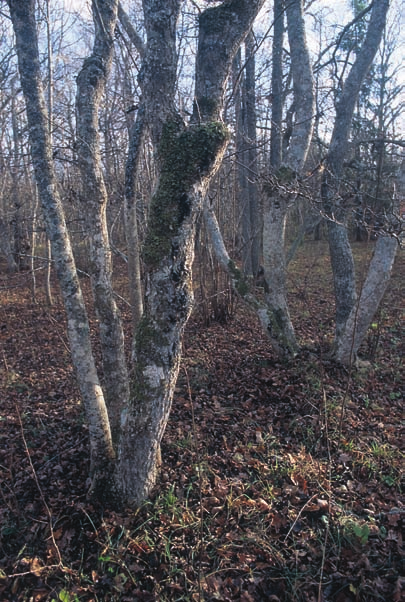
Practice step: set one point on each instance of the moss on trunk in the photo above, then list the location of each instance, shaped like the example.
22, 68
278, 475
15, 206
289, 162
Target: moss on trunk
186, 155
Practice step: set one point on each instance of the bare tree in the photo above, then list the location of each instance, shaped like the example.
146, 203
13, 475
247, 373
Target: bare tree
25, 28
187, 157
340, 249
277, 191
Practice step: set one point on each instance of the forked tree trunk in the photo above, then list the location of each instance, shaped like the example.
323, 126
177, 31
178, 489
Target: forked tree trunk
339, 245
25, 28
372, 290
187, 159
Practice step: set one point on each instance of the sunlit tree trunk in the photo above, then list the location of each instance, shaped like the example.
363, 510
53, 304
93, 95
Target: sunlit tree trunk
187, 158
372, 290
276, 195
91, 83
339, 245
25, 28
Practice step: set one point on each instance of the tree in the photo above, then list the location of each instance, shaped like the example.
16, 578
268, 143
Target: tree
286, 171
125, 465
340, 250
101, 448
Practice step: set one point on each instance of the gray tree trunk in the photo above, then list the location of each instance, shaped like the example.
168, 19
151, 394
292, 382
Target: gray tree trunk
91, 83
339, 245
241, 161
137, 135
187, 159
132, 168
372, 290
250, 101
277, 102
276, 198
25, 28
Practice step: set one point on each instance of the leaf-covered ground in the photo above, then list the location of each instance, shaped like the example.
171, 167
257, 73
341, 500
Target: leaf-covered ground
280, 481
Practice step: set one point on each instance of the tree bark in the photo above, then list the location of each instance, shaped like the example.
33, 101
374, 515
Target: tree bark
339, 245
276, 197
91, 83
372, 291
251, 118
187, 158
277, 85
137, 137
239, 93
101, 449
371, 294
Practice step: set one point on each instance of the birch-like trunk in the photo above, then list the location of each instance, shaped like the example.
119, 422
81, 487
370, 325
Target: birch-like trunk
372, 291
25, 28
339, 245
187, 159
276, 200
91, 83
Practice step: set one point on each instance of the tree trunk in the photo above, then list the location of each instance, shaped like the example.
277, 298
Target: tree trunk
187, 160
277, 85
137, 136
372, 291
339, 245
241, 163
254, 210
90, 88
101, 449
276, 198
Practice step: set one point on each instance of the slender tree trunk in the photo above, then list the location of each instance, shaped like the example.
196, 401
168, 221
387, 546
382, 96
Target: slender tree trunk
6, 247
339, 245
372, 291
241, 162
48, 250
17, 220
254, 209
90, 88
137, 136
276, 201
277, 86
101, 449
132, 171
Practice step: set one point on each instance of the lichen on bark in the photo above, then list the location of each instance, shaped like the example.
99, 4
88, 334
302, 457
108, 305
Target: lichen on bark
186, 156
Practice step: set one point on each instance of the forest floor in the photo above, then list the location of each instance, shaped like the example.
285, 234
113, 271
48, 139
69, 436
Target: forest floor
281, 481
